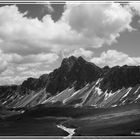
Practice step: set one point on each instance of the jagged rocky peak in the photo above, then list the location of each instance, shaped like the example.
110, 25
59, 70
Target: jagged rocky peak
106, 68
76, 66
69, 62
72, 60
44, 76
81, 59
72, 72
35, 83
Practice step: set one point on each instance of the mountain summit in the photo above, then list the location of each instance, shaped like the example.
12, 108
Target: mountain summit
72, 72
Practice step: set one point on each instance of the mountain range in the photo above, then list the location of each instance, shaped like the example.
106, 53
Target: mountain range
78, 83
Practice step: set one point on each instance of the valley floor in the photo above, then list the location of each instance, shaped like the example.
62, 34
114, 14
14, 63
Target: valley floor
117, 121
113, 124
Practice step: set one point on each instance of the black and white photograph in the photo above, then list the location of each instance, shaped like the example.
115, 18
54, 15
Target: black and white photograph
70, 69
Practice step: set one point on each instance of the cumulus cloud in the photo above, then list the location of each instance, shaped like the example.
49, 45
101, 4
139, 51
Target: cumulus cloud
98, 23
135, 8
3, 65
17, 68
89, 25
16, 73
113, 58
47, 58
29, 46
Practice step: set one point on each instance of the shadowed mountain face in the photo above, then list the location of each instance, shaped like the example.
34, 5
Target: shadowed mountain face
119, 77
35, 83
76, 72
76, 81
72, 72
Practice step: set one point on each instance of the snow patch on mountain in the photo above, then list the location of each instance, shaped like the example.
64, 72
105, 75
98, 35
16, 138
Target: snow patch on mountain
99, 91
137, 90
128, 90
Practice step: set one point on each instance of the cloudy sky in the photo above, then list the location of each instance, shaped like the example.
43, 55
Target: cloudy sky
35, 37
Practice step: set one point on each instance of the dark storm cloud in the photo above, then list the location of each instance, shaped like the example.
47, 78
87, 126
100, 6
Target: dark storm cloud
34, 10
37, 10
135, 24
58, 10
40, 10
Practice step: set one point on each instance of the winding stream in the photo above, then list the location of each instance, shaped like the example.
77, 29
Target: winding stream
135, 133
69, 130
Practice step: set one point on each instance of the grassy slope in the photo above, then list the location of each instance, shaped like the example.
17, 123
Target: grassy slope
113, 122
31, 127
88, 121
